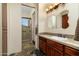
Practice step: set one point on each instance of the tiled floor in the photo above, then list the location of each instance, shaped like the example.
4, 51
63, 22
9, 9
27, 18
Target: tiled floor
28, 49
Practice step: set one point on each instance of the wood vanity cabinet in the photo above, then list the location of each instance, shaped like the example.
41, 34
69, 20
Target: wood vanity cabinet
55, 48
57, 52
50, 51
71, 51
43, 45
52, 48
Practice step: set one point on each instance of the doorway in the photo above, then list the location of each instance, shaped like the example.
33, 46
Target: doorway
26, 31
27, 35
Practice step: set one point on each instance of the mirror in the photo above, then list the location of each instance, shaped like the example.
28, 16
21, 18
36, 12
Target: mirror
52, 21
59, 20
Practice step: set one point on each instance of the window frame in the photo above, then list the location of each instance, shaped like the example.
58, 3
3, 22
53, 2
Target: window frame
28, 20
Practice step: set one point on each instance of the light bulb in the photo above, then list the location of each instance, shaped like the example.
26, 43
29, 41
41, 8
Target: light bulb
50, 7
56, 3
47, 9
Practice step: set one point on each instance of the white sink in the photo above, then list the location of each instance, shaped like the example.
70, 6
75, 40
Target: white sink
58, 38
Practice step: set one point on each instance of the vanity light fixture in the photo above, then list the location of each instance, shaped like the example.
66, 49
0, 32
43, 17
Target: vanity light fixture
56, 3
53, 6
50, 7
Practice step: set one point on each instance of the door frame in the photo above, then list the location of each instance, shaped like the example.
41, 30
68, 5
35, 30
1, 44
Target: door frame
4, 29
36, 16
28, 24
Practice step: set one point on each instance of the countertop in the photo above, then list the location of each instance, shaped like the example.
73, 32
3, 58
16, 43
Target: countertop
68, 42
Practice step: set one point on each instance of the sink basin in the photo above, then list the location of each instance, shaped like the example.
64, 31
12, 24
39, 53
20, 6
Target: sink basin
58, 38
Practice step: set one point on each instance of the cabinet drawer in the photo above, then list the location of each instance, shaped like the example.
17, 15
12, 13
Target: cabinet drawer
43, 39
71, 51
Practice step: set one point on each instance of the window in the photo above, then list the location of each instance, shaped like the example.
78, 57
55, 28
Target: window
24, 22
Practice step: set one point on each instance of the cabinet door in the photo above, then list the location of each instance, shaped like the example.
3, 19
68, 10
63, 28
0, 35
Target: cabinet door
58, 53
66, 54
42, 46
52, 52
71, 51
48, 51
44, 49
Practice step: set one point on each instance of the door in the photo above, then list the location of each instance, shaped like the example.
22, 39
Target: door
33, 27
57, 52
0, 30
48, 50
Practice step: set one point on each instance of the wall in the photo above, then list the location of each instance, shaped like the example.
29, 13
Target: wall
34, 16
26, 15
73, 16
26, 11
0, 29
42, 18
14, 28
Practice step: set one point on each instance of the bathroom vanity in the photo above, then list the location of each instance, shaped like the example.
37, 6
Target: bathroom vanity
58, 47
